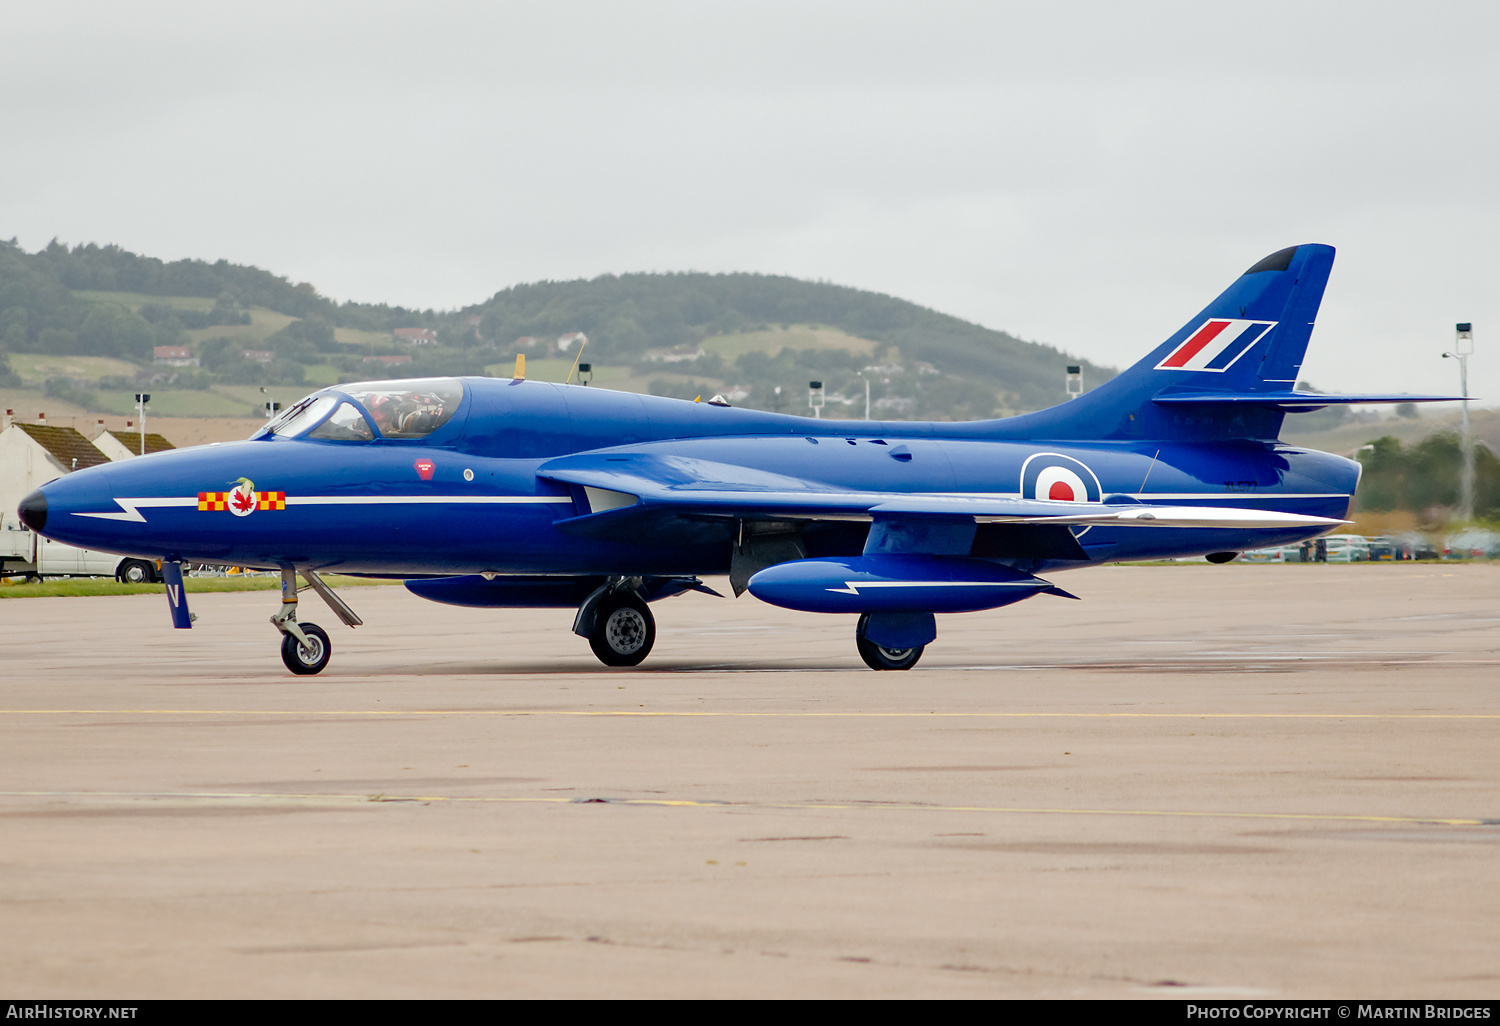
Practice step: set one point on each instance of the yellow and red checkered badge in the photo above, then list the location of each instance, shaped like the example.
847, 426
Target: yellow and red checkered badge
242, 501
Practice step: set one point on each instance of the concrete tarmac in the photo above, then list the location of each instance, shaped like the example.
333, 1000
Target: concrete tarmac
1247, 782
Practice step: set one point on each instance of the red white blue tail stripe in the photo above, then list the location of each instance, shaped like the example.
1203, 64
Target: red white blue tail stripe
1215, 345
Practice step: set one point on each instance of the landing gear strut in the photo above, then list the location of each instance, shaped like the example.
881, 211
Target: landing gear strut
305, 648
617, 622
878, 658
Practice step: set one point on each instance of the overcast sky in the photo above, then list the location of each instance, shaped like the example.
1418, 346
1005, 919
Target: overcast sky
1084, 174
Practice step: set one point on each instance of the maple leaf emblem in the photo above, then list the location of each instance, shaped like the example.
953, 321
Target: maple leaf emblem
242, 499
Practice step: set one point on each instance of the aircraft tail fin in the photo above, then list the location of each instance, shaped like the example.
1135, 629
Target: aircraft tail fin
1236, 357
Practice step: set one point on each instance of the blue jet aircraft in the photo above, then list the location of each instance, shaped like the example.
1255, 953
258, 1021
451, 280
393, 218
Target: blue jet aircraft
517, 493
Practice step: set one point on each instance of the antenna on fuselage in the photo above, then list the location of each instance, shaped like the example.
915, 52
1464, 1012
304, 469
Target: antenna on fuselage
520, 374
576, 357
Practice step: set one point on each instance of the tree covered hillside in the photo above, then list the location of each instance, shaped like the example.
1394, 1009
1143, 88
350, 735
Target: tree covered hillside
758, 339
627, 316
45, 304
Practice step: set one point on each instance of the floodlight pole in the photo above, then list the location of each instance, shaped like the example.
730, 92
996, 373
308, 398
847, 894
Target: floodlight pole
1464, 348
141, 399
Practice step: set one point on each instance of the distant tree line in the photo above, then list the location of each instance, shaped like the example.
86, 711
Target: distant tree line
1426, 474
40, 314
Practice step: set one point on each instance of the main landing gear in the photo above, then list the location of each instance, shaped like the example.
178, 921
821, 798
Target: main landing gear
617, 622
305, 647
878, 658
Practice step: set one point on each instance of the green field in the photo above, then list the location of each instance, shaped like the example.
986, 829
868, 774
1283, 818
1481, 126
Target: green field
619, 379
134, 300
12, 587
35, 368
360, 337
248, 397
175, 403
555, 370
263, 324
797, 336
319, 374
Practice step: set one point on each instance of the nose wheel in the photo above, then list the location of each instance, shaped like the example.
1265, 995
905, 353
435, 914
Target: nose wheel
309, 657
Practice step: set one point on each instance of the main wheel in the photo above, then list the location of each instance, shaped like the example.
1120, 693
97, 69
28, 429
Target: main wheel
623, 632
877, 658
309, 658
133, 571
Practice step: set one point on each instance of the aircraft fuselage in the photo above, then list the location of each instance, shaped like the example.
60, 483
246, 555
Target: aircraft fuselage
472, 500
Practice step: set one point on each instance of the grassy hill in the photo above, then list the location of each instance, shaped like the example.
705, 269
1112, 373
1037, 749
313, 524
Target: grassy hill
759, 332
80, 325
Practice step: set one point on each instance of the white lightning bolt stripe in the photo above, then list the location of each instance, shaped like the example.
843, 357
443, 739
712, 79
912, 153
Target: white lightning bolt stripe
132, 507
852, 587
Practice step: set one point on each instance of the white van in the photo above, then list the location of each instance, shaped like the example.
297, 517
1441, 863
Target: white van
25, 554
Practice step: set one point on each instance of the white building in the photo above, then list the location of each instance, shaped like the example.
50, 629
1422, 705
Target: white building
121, 445
33, 454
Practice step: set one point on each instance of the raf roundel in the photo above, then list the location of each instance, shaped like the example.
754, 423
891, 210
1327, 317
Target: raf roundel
1058, 478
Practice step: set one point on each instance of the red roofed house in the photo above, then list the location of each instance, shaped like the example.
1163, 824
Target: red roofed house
174, 356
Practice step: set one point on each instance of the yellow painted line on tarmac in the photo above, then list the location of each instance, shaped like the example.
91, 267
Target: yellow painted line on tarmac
1310, 817
712, 713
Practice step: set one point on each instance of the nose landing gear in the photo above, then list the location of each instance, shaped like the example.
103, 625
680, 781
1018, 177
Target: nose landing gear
305, 648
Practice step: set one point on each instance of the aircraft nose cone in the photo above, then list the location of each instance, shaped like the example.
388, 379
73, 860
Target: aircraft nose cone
33, 511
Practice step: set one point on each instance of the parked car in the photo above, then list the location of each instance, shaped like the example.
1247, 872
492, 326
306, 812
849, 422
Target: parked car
1346, 548
1474, 543
1274, 554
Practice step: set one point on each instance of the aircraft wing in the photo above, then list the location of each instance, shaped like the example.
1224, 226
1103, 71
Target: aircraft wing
624, 492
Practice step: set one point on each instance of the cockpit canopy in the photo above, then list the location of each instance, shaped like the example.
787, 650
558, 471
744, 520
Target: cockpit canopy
408, 409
